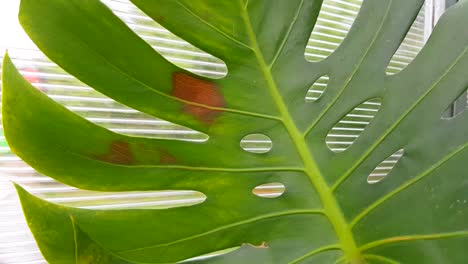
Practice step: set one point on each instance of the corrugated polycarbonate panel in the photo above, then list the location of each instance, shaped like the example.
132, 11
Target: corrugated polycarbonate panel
16, 242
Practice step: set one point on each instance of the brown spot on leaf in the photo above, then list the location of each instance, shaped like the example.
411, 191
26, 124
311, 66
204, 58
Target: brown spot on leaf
119, 153
198, 91
160, 18
167, 158
151, 154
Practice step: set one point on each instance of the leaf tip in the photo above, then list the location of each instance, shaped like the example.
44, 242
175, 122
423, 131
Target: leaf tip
6, 56
23, 194
20, 190
7, 65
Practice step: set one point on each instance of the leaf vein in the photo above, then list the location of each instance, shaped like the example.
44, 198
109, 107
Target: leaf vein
286, 37
75, 238
225, 227
410, 238
193, 168
212, 26
315, 252
380, 258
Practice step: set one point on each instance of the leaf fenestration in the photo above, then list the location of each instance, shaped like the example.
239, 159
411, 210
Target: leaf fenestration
349, 128
269, 190
317, 89
412, 43
256, 143
333, 24
385, 167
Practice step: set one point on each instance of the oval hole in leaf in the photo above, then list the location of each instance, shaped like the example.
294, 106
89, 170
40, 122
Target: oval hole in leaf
410, 46
317, 89
269, 190
256, 143
384, 168
333, 24
348, 129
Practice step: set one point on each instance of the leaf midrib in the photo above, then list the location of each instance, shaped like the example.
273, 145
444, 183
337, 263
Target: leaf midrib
330, 204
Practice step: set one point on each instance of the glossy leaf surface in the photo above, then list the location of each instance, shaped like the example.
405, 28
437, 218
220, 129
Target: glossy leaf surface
328, 212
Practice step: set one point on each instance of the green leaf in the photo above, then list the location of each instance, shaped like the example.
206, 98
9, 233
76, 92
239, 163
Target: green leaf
328, 212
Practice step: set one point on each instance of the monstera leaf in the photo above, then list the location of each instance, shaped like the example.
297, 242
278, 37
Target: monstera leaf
328, 212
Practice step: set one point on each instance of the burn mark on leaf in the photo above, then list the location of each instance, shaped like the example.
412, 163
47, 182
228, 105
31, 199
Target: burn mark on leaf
151, 154
160, 18
198, 91
119, 153
167, 158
